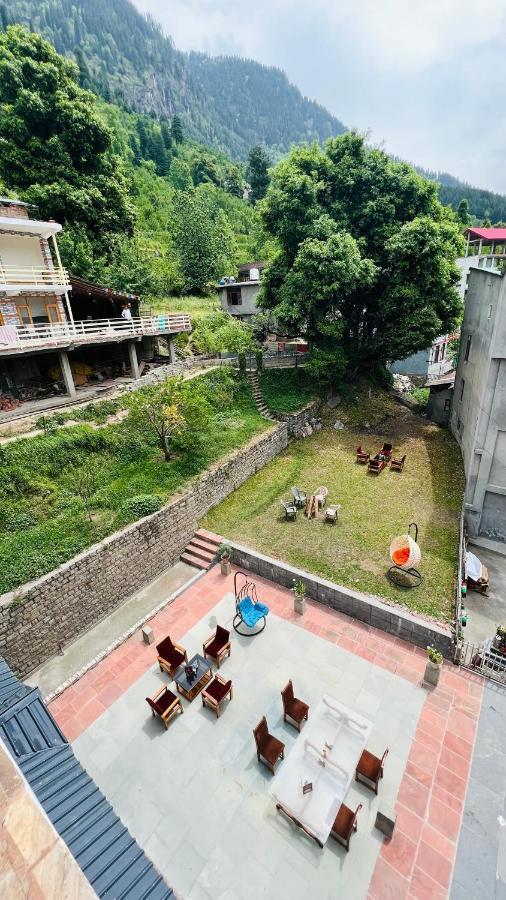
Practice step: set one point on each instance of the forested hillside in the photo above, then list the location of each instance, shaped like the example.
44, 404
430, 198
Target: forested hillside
132, 62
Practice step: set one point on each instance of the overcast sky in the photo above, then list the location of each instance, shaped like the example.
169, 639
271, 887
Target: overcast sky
425, 77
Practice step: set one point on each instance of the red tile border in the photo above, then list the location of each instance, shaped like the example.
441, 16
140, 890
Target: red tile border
418, 862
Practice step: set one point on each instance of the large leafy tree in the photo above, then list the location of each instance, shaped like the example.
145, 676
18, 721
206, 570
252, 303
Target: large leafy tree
365, 267
202, 237
54, 149
258, 173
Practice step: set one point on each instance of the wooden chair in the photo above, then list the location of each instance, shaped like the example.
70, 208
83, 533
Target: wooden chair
217, 646
269, 749
214, 693
397, 464
345, 824
370, 769
295, 709
290, 510
362, 456
170, 656
165, 704
332, 513
376, 465
386, 451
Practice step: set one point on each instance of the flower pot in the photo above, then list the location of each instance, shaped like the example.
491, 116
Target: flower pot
432, 672
225, 565
299, 605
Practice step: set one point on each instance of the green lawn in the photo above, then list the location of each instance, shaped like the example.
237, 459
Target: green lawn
197, 307
374, 509
287, 390
43, 519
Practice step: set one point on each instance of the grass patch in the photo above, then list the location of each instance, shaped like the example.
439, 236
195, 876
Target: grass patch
374, 509
287, 390
43, 522
197, 307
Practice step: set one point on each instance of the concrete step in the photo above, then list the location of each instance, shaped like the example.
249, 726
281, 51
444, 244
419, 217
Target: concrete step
202, 544
206, 555
209, 536
193, 560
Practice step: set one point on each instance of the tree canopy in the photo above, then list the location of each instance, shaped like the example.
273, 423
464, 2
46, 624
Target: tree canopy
54, 149
257, 173
366, 261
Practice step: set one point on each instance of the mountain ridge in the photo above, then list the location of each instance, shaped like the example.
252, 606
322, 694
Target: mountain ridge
226, 102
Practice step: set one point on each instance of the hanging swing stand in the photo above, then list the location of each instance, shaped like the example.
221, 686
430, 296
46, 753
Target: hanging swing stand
405, 555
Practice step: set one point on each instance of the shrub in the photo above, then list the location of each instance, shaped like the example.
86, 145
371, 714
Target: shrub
19, 520
421, 395
142, 505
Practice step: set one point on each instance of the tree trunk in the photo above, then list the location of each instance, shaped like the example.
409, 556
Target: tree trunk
166, 448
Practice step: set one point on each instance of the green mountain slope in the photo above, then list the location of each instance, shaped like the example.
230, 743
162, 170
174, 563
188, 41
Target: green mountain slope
226, 102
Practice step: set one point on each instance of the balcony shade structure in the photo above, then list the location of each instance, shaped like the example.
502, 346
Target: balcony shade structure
106, 852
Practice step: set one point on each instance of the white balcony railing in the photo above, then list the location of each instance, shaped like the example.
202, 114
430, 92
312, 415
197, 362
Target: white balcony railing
89, 331
33, 277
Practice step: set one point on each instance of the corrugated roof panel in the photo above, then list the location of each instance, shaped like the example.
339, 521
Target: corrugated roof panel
109, 856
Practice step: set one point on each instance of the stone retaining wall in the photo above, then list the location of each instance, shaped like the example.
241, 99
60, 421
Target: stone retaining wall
41, 616
392, 619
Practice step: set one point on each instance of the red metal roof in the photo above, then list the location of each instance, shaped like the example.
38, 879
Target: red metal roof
488, 234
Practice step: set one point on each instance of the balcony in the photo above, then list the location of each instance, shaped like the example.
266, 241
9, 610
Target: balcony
14, 279
91, 331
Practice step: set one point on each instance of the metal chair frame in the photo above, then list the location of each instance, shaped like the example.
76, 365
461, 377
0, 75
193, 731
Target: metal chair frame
248, 589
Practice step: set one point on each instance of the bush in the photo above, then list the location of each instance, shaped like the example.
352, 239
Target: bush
19, 520
142, 505
421, 395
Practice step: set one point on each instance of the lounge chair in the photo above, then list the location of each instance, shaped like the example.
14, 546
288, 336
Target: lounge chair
370, 769
299, 497
165, 704
332, 513
170, 656
269, 749
214, 693
217, 646
362, 456
295, 709
397, 465
290, 510
345, 824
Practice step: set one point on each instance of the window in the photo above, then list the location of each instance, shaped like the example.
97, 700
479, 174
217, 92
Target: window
436, 354
462, 386
447, 404
234, 296
443, 351
25, 316
468, 347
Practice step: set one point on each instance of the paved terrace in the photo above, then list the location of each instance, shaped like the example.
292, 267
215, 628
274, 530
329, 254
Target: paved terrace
196, 798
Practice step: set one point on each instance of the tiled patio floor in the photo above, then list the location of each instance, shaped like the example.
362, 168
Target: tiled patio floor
418, 861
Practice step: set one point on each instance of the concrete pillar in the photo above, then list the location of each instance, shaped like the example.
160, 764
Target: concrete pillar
170, 347
134, 362
67, 373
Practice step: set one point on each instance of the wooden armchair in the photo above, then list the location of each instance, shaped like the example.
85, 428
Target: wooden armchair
269, 749
345, 824
165, 704
376, 465
370, 769
295, 709
217, 646
214, 693
386, 451
397, 464
362, 456
170, 656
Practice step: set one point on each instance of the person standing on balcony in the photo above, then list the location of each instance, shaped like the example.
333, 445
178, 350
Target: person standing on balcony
126, 312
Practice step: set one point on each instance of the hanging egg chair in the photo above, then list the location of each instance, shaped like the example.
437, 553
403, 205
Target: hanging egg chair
405, 555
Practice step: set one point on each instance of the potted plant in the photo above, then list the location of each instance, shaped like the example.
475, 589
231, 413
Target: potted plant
434, 666
500, 638
224, 552
299, 596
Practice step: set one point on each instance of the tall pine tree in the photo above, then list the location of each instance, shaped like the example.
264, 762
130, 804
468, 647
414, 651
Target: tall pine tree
257, 173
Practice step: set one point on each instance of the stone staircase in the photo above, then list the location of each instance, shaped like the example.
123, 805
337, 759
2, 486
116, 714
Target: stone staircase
201, 551
260, 404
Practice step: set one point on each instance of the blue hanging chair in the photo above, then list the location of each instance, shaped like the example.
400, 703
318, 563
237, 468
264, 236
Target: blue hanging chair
249, 612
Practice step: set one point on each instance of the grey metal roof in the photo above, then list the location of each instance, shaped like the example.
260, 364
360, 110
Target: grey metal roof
114, 864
